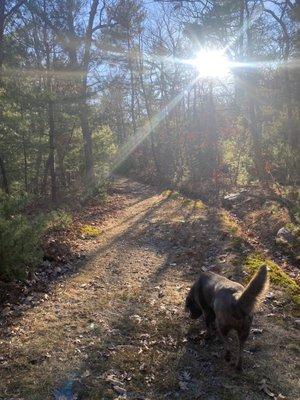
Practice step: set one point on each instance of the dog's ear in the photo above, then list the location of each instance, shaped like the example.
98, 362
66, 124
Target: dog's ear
254, 292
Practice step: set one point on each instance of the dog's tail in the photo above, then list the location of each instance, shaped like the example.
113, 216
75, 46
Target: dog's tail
254, 291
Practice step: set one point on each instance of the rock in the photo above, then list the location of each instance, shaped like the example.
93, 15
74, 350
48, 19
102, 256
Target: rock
114, 382
119, 390
297, 323
233, 198
6, 312
285, 238
256, 331
46, 264
270, 296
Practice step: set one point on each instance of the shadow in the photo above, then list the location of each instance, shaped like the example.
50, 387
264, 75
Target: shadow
161, 355
51, 273
149, 347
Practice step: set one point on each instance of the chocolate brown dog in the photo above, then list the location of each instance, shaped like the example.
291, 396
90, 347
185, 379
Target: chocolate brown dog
227, 303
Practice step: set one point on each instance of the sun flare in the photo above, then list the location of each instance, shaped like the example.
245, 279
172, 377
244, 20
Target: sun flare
212, 63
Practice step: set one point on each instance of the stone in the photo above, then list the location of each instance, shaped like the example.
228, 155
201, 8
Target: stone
231, 199
284, 237
119, 390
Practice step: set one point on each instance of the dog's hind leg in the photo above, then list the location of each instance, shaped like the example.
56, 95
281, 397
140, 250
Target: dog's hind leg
209, 318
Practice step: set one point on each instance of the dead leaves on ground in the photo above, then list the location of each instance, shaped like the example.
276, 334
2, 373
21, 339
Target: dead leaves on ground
264, 387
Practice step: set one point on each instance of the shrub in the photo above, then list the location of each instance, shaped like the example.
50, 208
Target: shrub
96, 192
20, 235
57, 220
20, 244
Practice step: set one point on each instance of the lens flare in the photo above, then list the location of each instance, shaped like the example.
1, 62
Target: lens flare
212, 63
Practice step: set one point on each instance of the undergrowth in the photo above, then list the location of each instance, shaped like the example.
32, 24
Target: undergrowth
21, 235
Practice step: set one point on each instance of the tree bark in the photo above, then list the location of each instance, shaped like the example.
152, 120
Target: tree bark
84, 121
132, 95
2, 20
148, 111
52, 152
87, 142
252, 100
4, 176
50, 117
45, 176
37, 172
25, 163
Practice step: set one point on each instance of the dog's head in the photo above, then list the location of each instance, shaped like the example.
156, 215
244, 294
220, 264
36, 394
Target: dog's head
243, 322
192, 307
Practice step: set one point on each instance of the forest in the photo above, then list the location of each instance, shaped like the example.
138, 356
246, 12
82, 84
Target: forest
141, 143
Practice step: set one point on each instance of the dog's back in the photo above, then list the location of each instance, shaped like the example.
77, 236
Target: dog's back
211, 287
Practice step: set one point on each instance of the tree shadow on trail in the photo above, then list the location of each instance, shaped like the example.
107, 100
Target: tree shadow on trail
157, 352
49, 274
149, 347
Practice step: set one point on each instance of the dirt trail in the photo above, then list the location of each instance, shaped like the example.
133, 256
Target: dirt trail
117, 328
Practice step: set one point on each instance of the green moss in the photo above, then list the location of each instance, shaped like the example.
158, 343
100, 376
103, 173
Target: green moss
296, 299
186, 202
277, 276
199, 205
174, 195
90, 231
167, 193
228, 223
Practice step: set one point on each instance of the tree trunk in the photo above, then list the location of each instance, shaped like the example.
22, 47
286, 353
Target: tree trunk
50, 105
87, 143
37, 172
148, 111
132, 95
51, 152
83, 106
4, 176
252, 100
213, 132
25, 164
2, 19
45, 176
62, 175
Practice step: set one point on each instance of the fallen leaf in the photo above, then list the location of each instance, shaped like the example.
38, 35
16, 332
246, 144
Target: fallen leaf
186, 376
183, 386
264, 387
257, 331
86, 374
119, 390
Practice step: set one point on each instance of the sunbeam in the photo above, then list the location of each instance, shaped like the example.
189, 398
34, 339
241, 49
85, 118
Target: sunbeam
144, 131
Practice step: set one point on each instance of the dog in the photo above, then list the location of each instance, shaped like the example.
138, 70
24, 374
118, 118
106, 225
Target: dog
227, 303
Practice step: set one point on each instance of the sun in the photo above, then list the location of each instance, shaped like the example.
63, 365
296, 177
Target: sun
212, 63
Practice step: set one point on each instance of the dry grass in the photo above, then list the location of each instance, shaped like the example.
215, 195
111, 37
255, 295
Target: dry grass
122, 315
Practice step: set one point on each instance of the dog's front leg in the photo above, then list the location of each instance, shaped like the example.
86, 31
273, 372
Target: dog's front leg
223, 332
209, 318
239, 363
227, 354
